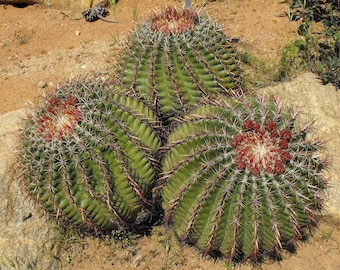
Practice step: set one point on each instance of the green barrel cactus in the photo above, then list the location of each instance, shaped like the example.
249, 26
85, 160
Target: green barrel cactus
88, 156
241, 180
176, 57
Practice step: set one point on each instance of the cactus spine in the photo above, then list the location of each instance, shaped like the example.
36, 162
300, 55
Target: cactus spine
88, 156
241, 179
175, 58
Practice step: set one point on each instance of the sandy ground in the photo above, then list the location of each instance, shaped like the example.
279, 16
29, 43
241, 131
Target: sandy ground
161, 251
39, 44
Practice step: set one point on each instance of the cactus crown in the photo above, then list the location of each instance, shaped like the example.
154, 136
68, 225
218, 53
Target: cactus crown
175, 58
261, 148
58, 118
88, 156
240, 179
173, 21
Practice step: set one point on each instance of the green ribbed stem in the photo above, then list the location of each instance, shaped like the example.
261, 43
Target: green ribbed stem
240, 179
88, 156
175, 58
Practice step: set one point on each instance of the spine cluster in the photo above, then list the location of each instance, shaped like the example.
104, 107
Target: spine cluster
173, 21
261, 148
59, 118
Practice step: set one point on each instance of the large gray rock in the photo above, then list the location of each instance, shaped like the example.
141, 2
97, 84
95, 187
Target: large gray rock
26, 237
321, 104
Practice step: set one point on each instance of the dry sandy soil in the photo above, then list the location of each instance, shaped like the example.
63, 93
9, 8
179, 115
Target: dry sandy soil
40, 44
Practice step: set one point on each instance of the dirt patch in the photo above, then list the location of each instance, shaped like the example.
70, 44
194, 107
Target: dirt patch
41, 45
162, 251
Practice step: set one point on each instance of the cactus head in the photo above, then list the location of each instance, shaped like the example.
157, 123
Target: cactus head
241, 179
59, 118
261, 149
88, 156
177, 57
173, 21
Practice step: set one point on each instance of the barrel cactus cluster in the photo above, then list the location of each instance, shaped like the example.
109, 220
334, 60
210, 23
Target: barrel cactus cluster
175, 58
236, 176
88, 156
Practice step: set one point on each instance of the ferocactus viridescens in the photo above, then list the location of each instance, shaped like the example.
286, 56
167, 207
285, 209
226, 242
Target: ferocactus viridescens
87, 156
175, 58
241, 179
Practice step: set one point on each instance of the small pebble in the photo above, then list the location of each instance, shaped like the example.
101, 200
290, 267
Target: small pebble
77, 33
137, 261
42, 84
54, 266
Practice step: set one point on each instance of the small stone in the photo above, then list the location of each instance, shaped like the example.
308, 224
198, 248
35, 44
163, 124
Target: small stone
42, 84
137, 261
77, 33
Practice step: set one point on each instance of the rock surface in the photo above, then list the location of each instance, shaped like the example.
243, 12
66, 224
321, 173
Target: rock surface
70, 7
321, 104
26, 236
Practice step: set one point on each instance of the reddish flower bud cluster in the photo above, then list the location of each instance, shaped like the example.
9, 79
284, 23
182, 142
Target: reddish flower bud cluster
173, 21
262, 149
59, 118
